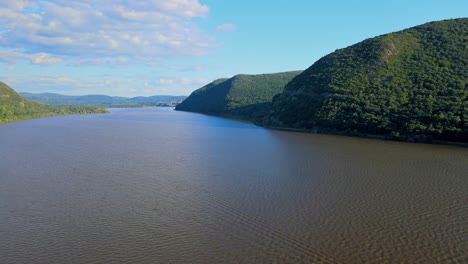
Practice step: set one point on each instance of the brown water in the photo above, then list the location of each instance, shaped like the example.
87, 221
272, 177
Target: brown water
159, 186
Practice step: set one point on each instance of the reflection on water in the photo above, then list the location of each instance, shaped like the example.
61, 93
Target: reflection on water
155, 185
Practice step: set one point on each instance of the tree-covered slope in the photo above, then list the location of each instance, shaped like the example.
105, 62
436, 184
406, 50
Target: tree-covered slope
410, 85
242, 96
14, 107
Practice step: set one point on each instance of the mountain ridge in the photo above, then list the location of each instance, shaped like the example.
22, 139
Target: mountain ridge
14, 107
100, 100
407, 85
243, 96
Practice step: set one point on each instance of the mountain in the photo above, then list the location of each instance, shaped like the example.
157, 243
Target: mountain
408, 85
242, 96
14, 107
59, 99
101, 100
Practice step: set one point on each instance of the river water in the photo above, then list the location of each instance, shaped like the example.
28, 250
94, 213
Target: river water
154, 185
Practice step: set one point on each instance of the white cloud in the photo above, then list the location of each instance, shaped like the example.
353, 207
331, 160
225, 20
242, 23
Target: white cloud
165, 81
187, 8
226, 27
142, 31
187, 81
17, 4
41, 58
122, 86
109, 61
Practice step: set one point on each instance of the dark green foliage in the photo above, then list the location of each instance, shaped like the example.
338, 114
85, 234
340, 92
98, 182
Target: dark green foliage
409, 85
210, 99
14, 107
101, 100
242, 96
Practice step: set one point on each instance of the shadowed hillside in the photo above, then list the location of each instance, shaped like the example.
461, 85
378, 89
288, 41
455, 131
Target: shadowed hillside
242, 96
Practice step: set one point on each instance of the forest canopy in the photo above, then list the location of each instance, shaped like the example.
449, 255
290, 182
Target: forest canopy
408, 85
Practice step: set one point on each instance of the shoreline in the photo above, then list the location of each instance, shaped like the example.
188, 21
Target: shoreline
368, 136
52, 115
335, 133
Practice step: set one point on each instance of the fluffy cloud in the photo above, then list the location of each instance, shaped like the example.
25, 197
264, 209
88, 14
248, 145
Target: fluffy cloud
41, 58
87, 30
17, 4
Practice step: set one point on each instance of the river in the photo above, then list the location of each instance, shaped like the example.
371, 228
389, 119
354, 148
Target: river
154, 185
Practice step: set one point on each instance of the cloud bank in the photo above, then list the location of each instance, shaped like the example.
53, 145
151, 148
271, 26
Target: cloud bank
114, 31
124, 86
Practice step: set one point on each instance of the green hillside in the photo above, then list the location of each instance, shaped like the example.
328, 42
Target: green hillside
242, 96
14, 107
408, 85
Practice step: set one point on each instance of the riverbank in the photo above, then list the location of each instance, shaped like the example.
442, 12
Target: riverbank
422, 139
57, 111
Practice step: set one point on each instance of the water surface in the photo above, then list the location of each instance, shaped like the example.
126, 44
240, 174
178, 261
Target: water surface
159, 186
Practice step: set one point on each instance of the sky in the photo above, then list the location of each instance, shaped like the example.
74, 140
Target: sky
173, 47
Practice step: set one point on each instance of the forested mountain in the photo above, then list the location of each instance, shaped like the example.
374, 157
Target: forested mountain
14, 107
100, 100
409, 85
242, 96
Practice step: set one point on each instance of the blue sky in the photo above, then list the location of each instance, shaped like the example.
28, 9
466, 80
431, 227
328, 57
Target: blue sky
142, 48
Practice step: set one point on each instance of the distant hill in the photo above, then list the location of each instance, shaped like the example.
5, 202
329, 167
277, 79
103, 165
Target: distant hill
101, 100
242, 96
14, 107
408, 85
